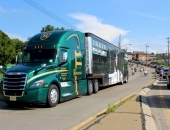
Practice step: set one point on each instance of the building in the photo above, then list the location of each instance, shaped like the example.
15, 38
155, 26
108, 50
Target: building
129, 55
152, 56
141, 56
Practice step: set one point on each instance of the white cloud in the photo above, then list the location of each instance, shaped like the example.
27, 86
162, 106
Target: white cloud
152, 16
12, 36
92, 24
9, 11
2, 9
15, 11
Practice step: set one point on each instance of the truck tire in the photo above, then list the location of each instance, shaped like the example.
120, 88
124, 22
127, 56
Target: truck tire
95, 86
90, 87
53, 96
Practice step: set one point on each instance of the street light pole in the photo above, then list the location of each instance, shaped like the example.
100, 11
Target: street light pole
146, 53
119, 45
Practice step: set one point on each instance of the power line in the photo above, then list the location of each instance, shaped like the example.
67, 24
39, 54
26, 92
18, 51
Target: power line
45, 11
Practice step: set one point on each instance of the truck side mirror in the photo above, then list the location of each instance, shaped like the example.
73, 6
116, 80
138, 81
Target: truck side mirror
64, 56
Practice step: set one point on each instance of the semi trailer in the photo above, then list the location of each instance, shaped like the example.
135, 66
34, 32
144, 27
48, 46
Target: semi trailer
60, 65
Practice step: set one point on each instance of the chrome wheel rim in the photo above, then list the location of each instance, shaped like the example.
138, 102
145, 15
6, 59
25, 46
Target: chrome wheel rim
96, 86
53, 95
90, 87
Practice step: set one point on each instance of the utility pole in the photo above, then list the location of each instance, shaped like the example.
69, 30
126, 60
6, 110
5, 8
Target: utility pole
119, 45
168, 51
146, 53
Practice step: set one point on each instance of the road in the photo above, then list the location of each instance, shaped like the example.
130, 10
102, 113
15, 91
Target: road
159, 102
68, 114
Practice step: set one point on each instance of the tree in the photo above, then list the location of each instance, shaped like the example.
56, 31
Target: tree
19, 45
62, 28
48, 28
51, 28
7, 49
158, 56
57, 28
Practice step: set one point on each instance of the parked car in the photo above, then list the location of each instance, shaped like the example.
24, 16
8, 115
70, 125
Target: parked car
153, 65
168, 80
159, 67
164, 72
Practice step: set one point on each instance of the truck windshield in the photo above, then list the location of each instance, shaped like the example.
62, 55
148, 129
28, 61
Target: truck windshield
48, 55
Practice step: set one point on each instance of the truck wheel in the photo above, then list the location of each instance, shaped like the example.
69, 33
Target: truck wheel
126, 79
95, 86
53, 96
90, 87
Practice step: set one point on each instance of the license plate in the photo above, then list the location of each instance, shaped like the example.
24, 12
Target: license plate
13, 98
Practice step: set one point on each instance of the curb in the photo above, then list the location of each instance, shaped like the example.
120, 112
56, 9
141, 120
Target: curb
104, 111
148, 120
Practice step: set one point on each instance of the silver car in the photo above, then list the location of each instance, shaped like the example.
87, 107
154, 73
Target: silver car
164, 72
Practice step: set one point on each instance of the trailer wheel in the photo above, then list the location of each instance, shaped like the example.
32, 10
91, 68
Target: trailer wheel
53, 96
90, 87
95, 86
126, 79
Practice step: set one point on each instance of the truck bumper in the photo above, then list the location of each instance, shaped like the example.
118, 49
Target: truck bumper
38, 95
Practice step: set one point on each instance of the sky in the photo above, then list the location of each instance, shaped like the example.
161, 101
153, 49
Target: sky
139, 25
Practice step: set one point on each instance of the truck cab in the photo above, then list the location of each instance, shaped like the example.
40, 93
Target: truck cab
50, 70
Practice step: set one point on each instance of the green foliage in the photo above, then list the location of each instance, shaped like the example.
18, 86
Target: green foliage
162, 63
112, 108
158, 56
48, 28
9, 48
51, 28
19, 46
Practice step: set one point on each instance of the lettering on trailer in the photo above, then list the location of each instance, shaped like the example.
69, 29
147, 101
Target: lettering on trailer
98, 44
99, 48
77, 63
99, 52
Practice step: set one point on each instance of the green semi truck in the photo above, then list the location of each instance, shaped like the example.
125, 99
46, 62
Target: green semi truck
60, 65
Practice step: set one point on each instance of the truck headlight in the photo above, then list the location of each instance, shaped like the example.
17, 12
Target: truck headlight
37, 83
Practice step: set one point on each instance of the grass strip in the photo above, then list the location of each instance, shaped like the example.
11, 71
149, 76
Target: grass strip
112, 108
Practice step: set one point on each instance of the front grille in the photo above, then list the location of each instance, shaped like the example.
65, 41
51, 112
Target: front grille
13, 93
14, 84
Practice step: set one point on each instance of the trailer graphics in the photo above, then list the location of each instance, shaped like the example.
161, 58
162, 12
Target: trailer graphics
60, 65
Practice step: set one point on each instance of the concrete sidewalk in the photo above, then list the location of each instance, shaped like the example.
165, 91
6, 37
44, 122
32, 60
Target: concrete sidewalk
134, 114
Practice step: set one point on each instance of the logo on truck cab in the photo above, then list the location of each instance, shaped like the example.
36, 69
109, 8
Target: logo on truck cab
45, 36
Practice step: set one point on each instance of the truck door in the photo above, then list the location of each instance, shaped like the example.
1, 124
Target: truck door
78, 73
67, 87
